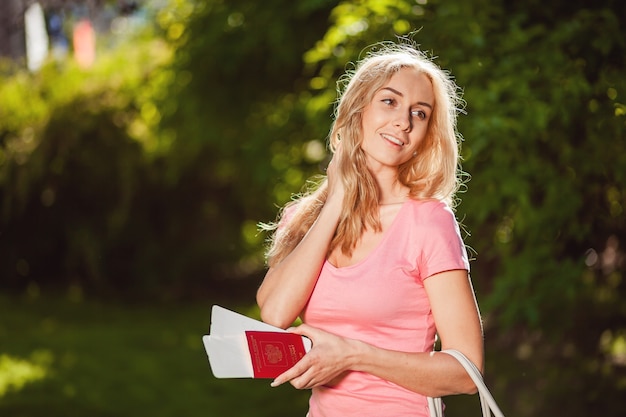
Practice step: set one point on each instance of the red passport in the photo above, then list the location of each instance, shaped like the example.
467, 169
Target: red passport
273, 353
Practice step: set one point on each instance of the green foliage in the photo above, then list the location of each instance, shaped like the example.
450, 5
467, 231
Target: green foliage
239, 104
68, 166
154, 177
537, 128
85, 198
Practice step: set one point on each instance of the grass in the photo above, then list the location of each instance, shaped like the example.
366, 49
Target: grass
62, 358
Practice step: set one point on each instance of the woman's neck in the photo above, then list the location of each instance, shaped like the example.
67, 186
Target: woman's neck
390, 190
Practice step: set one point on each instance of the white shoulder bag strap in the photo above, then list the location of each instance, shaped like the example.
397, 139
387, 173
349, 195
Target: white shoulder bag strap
487, 402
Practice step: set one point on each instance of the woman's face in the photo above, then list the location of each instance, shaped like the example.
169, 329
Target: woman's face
395, 122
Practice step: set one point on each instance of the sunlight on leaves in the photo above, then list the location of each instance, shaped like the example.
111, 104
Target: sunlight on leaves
614, 346
15, 373
314, 151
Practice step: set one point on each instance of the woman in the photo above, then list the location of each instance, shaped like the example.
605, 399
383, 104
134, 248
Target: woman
373, 261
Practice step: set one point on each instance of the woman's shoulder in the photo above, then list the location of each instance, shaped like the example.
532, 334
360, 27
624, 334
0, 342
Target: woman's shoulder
430, 207
429, 215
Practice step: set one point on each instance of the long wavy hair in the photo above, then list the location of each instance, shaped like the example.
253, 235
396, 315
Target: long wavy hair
433, 174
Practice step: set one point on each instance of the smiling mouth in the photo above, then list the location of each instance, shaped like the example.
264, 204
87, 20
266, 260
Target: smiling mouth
393, 140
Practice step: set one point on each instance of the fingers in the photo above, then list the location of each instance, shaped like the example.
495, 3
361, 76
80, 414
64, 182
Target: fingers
303, 330
293, 375
321, 365
303, 377
303, 382
335, 184
336, 156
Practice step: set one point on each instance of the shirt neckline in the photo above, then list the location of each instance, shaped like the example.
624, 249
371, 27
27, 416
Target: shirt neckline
378, 247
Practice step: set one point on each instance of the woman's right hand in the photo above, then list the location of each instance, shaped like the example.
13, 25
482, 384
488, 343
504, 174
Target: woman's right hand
335, 184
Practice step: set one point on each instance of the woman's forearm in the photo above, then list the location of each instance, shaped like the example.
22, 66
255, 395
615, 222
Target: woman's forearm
433, 374
287, 286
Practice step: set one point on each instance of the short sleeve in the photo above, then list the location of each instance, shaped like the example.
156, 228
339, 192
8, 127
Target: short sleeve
443, 248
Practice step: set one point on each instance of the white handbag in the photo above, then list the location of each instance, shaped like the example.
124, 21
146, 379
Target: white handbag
487, 402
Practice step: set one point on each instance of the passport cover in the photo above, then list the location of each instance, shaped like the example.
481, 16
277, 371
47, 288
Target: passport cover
272, 353
228, 349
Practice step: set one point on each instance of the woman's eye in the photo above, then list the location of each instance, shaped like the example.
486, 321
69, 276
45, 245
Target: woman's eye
388, 101
420, 114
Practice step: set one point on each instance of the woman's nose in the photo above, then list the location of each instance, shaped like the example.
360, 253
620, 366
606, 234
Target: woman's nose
404, 122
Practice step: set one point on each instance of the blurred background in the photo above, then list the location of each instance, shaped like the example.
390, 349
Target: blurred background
141, 142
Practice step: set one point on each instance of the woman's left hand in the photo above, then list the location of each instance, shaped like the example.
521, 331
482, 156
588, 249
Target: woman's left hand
327, 360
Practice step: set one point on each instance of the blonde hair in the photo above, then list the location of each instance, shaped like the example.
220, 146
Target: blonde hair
433, 174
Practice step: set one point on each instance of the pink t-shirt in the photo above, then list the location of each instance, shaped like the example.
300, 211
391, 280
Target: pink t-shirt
381, 300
